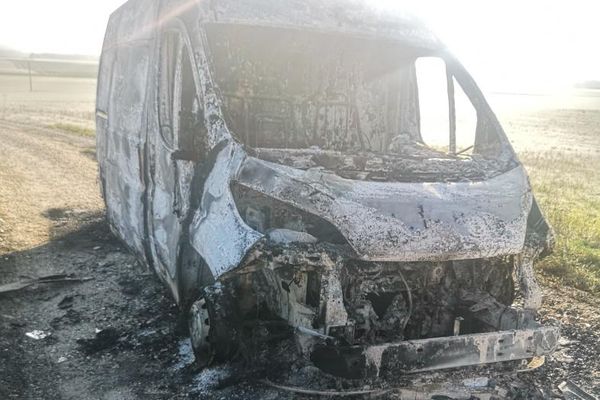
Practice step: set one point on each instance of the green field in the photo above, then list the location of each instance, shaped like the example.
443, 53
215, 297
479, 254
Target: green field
558, 140
568, 188
557, 137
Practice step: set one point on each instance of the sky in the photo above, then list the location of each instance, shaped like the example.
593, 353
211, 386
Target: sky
505, 44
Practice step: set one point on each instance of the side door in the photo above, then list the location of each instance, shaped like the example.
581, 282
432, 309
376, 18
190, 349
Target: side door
121, 117
179, 149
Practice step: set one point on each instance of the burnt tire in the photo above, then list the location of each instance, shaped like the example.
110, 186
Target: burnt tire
199, 326
213, 334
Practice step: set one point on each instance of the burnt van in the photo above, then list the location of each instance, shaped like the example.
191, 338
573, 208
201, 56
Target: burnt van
321, 167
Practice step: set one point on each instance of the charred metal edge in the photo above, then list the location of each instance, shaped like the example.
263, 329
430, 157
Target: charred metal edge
413, 356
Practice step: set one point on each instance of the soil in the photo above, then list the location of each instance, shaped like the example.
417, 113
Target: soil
118, 334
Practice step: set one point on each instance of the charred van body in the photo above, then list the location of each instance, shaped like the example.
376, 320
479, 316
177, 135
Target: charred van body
275, 163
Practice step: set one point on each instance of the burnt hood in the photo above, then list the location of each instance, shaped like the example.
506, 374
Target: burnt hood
381, 221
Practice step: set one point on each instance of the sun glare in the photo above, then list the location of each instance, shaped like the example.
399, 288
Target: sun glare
57, 26
509, 44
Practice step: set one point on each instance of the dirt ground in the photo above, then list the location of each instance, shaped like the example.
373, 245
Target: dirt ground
114, 332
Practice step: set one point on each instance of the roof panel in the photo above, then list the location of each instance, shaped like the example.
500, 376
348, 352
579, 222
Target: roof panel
352, 16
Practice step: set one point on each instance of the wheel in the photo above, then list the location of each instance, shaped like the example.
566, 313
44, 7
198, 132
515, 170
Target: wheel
199, 329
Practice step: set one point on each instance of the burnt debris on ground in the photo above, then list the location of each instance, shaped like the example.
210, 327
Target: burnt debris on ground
93, 325
120, 334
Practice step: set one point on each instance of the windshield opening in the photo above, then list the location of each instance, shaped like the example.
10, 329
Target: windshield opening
305, 90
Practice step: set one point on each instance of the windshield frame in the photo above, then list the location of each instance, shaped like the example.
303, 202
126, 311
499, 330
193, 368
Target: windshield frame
501, 149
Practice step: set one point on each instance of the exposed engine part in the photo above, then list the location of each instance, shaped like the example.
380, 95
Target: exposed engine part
532, 293
365, 302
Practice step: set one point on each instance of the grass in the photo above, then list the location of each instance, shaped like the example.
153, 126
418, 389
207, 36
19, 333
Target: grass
567, 186
74, 129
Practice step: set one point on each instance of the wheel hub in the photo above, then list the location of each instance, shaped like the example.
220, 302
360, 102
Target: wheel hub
199, 327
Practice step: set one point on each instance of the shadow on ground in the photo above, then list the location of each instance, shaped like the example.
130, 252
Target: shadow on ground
113, 336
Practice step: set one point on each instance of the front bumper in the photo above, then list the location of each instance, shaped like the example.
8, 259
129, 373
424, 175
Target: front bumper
411, 356
334, 332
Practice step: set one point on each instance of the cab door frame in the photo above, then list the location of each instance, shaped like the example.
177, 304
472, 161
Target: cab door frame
173, 171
